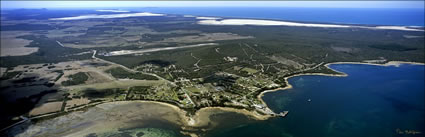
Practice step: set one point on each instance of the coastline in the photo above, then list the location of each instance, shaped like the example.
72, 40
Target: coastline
201, 118
196, 120
341, 74
389, 63
192, 116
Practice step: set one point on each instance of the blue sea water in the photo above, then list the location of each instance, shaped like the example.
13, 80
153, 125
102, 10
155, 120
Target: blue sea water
373, 101
378, 16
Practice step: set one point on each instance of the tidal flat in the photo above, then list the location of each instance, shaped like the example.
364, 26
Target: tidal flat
130, 118
109, 119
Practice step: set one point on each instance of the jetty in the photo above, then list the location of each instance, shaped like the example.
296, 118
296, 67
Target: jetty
281, 114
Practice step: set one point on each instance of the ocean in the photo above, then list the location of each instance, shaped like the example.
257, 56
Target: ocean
373, 101
366, 16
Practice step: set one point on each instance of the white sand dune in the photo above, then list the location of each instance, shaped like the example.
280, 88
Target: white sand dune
207, 18
112, 11
286, 23
201, 18
266, 23
189, 16
396, 28
95, 16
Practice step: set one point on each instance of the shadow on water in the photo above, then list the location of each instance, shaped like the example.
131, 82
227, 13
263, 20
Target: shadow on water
401, 105
9, 110
18, 97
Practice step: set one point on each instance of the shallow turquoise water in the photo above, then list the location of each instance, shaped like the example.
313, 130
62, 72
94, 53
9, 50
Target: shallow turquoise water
373, 101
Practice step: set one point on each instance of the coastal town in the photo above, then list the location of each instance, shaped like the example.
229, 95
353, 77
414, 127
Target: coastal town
81, 64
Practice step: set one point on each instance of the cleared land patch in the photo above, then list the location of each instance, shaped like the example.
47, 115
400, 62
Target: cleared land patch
46, 108
126, 52
344, 49
13, 46
121, 84
75, 102
286, 61
95, 77
203, 37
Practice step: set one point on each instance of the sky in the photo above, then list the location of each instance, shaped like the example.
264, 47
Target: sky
316, 4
